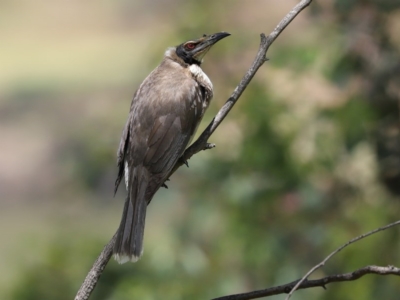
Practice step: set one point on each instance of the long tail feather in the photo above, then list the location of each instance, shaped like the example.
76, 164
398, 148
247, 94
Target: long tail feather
129, 242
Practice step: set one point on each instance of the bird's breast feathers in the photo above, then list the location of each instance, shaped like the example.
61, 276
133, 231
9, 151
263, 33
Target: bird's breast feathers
201, 77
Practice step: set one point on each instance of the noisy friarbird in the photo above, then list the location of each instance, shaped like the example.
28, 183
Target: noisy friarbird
164, 115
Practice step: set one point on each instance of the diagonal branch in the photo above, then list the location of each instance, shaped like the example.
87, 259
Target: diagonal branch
266, 42
201, 143
322, 282
95, 272
338, 250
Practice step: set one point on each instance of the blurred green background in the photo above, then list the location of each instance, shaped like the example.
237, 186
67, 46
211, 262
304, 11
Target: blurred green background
308, 158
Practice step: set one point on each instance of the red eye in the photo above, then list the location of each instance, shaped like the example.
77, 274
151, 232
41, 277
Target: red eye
190, 46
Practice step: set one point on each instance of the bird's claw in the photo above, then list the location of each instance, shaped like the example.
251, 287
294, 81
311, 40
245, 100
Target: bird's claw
186, 163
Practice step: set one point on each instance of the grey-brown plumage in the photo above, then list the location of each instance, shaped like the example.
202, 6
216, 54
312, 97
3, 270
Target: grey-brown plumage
164, 115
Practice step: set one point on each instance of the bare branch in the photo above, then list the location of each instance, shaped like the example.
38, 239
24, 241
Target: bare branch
338, 250
95, 272
305, 284
201, 143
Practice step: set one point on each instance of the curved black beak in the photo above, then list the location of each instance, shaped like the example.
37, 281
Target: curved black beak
209, 40
213, 38
205, 43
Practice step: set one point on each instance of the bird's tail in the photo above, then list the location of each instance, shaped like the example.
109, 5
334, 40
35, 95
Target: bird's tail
129, 243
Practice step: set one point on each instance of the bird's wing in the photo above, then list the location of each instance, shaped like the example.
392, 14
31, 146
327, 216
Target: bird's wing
174, 115
167, 141
160, 125
123, 145
149, 163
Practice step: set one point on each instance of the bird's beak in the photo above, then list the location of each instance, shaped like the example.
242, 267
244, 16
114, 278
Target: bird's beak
205, 44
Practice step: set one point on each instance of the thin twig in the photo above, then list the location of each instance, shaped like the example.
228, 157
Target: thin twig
336, 251
322, 282
201, 143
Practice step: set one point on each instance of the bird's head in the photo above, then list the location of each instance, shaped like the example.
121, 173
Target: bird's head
193, 51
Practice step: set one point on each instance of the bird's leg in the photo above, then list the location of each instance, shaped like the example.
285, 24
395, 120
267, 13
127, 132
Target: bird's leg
206, 147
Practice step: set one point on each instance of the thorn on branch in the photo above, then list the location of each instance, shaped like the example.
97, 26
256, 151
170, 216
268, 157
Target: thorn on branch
263, 38
164, 185
209, 146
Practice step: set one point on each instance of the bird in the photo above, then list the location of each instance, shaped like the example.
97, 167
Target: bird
164, 115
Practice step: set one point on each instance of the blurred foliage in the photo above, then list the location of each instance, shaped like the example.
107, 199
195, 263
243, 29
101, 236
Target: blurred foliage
308, 158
